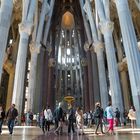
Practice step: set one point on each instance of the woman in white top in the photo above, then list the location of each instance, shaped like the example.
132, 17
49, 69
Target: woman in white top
48, 118
79, 121
132, 116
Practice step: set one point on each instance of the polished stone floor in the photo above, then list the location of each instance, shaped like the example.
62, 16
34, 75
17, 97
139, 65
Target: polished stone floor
35, 133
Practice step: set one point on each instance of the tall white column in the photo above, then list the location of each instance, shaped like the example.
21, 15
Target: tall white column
35, 50
116, 95
25, 29
106, 27
131, 51
99, 48
47, 26
6, 8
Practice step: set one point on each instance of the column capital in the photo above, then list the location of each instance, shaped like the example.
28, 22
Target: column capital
52, 62
9, 66
26, 27
123, 65
35, 47
49, 48
98, 46
86, 46
84, 62
106, 26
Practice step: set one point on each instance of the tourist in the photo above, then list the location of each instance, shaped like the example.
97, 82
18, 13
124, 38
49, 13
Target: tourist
29, 118
42, 121
11, 116
132, 116
48, 118
117, 117
99, 117
89, 115
58, 118
2, 115
110, 118
37, 120
71, 119
125, 117
79, 120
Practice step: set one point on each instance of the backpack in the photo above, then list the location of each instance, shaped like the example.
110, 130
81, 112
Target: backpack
98, 113
117, 114
31, 116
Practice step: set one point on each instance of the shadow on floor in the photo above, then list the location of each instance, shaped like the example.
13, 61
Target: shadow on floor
65, 136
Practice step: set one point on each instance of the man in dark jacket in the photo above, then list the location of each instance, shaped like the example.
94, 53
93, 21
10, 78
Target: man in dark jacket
11, 116
99, 117
58, 117
2, 115
117, 117
71, 119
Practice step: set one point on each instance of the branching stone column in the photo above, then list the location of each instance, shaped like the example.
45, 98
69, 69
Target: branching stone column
25, 30
90, 76
100, 60
131, 51
122, 65
116, 95
99, 48
94, 37
85, 85
88, 53
6, 7
34, 50
106, 27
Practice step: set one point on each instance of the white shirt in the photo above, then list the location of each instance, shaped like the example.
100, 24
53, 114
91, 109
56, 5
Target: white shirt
132, 114
48, 114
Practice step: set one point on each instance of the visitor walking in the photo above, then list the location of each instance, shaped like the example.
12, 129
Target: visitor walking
2, 115
71, 119
58, 118
29, 118
11, 116
125, 117
79, 121
99, 117
48, 118
42, 121
132, 116
110, 118
117, 117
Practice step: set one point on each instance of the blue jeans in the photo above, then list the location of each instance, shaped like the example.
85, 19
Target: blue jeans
1, 122
10, 124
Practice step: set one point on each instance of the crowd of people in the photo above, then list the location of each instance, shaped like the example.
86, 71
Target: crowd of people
73, 118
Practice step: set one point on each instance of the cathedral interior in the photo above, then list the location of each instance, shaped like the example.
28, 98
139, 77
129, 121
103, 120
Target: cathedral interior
86, 49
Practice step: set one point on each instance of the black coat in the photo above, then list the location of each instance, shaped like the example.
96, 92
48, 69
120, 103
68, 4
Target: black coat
12, 114
98, 112
2, 115
58, 114
71, 115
